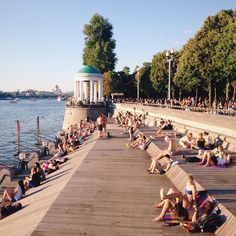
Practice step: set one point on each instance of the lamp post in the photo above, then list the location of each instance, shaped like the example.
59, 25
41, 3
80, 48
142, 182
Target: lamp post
169, 55
137, 70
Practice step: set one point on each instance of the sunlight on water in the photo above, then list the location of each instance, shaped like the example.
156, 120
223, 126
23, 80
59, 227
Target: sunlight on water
50, 113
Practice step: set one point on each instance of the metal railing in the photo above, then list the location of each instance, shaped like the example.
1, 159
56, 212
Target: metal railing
223, 111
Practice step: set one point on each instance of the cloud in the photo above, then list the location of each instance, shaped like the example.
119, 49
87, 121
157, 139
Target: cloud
188, 31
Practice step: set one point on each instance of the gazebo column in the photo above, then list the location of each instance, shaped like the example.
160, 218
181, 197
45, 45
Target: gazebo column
91, 90
81, 94
77, 89
86, 91
95, 92
100, 91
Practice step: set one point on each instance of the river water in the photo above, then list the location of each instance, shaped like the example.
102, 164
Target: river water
50, 112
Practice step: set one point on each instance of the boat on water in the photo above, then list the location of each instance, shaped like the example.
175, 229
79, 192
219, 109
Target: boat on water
60, 98
16, 100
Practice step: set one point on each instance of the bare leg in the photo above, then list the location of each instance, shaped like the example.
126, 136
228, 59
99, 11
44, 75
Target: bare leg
229, 159
209, 161
171, 195
7, 195
204, 157
153, 162
168, 204
153, 166
170, 191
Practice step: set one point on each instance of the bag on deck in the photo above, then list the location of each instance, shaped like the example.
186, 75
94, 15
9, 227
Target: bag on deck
218, 141
192, 159
209, 225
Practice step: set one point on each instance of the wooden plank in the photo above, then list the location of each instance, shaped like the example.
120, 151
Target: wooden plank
110, 194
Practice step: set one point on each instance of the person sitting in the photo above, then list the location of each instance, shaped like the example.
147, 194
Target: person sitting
9, 209
173, 200
217, 157
200, 142
52, 166
14, 195
60, 153
140, 141
171, 150
208, 140
33, 180
187, 141
40, 171
189, 197
160, 168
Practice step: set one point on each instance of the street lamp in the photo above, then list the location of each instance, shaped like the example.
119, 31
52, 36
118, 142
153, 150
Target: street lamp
137, 70
169, 55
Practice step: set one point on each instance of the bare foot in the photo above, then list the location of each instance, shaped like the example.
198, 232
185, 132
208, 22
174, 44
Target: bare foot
158, 205
206, 165
162, 194
157, 219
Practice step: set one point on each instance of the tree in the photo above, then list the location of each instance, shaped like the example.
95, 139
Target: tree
208, 60
160, 73
225, 54
145, 84
99, 45
187, 76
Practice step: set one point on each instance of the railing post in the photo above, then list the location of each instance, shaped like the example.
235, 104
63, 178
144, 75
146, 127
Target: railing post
17, 137
38, 131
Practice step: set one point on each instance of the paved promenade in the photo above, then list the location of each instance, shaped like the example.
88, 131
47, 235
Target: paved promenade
104, 190
225, 125
109, 194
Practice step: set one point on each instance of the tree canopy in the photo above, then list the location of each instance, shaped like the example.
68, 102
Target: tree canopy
99, 44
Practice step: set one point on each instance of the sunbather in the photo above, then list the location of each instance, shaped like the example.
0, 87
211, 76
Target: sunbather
187, 141
217, 156
33, 180
13, 195
173, 200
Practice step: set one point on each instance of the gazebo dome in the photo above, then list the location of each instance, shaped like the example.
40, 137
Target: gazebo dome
89, 85
89, 70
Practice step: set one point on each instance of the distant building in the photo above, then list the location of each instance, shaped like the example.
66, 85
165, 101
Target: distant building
57, 90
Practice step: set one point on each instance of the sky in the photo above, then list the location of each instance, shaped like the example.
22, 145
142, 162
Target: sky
42, 41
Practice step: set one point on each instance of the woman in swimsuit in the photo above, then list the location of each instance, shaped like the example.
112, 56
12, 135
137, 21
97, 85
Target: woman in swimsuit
190, 192
188, 199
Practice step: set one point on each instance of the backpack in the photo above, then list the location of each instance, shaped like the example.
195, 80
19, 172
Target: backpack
217, 142
211, 223
192, 159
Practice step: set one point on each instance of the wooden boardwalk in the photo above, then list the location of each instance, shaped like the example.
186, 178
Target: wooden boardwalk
109, 194
220, 182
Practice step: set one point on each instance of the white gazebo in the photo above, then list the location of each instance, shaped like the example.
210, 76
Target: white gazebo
88, 85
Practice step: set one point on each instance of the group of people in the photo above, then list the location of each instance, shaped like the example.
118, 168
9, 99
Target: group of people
130, 122
229, 106
11, 197
67, 142
185, 205
210, 152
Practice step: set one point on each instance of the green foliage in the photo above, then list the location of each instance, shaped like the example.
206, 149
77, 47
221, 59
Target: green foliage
99, 45
118, 82
160, 72
145, 86
208, 60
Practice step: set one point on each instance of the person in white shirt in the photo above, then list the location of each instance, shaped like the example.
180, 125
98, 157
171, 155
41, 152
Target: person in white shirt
13, 195
187, 141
